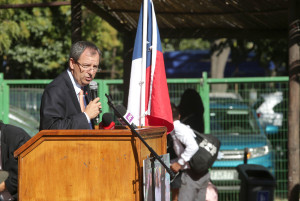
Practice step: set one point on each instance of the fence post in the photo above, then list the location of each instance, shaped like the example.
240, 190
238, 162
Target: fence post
204, 92
1, 97
4, 100
102, 90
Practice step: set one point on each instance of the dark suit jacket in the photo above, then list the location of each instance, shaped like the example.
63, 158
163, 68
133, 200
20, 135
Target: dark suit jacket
12, 138
60, 107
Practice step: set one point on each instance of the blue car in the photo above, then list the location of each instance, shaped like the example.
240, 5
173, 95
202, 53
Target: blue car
238, 128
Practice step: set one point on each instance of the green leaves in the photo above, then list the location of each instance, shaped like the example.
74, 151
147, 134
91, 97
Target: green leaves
31, 42
10, 30
107, 39
35, 42
185, 44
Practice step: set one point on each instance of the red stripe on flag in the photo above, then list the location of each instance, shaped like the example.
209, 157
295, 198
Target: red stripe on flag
161, 112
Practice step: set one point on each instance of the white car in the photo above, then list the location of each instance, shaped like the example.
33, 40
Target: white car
23, 119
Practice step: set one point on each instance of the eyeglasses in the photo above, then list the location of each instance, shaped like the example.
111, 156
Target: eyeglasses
87, 68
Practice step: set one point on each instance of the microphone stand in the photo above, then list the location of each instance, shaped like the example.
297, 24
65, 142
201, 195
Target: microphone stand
153, 177
172, 174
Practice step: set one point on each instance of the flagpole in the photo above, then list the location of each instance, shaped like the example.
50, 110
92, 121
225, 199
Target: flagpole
144, 52
153, 56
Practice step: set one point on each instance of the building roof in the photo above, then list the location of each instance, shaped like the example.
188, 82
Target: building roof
200, 18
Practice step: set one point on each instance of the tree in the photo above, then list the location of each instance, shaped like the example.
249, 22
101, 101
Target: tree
108, 39
272, 50
36, 41
41, 50
220, 51
185, 44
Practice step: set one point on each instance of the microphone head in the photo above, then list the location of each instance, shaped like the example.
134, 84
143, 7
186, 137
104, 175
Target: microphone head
3, 175
107, 122
124, 113
107, 118
93, 85
121, 109
111, 126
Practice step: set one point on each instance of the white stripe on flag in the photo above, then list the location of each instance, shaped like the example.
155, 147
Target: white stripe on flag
134, 95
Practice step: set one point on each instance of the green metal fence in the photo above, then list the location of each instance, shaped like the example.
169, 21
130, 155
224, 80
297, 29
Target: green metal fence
268, 99
262, 100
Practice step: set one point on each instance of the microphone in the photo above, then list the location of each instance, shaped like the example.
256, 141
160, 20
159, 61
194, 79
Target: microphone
3, 175
121, 113
94, 94
127, 116
107, 122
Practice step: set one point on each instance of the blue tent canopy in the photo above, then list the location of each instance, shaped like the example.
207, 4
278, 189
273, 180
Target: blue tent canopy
191, 64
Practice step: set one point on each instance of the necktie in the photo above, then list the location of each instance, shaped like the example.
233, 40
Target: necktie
82, 104
81, 101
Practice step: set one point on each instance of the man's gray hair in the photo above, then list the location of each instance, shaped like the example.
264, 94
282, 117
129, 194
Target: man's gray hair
78, 48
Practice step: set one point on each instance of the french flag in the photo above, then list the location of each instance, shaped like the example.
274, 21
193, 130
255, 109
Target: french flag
148, 98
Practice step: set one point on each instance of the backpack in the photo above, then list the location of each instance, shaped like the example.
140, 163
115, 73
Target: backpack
203, 159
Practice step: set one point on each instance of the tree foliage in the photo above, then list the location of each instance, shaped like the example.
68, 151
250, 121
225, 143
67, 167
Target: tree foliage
10, 29
273, 50
107, 38
35, 42
40, 48
185, 44
270, 53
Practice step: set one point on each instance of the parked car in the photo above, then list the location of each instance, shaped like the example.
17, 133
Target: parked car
23, 119
236, 125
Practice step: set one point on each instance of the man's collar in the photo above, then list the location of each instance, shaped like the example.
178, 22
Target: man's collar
76, 86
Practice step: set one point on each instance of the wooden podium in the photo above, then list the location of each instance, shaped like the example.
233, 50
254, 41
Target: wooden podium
86, 165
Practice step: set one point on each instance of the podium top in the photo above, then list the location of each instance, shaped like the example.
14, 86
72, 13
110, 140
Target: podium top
119, 131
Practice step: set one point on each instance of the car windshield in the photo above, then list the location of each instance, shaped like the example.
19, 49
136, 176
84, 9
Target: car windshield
224, 121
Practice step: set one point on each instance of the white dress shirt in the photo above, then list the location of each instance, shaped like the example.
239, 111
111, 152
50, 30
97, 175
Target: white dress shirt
77, 89
185, 145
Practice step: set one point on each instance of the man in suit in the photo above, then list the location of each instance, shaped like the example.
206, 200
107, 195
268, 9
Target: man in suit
60, 105
12, 138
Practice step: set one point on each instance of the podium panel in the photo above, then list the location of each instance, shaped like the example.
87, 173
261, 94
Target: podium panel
71, 165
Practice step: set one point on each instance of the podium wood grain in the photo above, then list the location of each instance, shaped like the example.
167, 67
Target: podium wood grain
86, 165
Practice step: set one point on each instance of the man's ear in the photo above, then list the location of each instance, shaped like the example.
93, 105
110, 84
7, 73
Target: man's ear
72, 63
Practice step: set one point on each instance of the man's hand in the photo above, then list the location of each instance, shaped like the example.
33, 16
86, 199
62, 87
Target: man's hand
93, 108
2, 186
175, 167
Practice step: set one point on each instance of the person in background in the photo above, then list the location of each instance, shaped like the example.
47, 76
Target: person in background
65, 102
12, 138
192, 187
191, 110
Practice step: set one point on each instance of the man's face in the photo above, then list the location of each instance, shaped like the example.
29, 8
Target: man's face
83, 70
